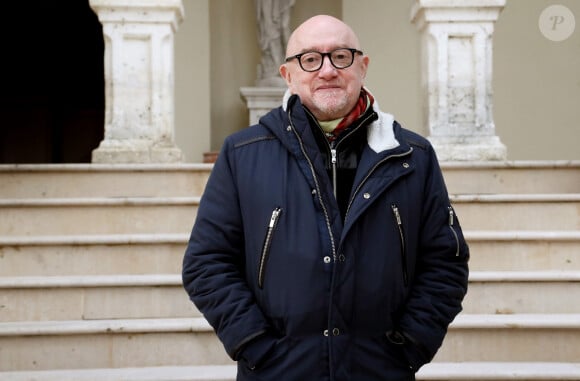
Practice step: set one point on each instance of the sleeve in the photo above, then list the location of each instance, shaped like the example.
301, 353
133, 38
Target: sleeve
441, 274
213, 267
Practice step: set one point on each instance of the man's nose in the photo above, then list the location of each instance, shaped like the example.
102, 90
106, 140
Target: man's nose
327, 67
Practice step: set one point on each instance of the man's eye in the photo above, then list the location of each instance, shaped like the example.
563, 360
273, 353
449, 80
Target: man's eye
309, 59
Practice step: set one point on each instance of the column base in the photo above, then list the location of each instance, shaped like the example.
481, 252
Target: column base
260, 100
123, 152
468, 148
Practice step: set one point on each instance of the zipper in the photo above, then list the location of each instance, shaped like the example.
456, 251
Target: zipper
333, 161
452, 228
402, 239
318, 192
267, 243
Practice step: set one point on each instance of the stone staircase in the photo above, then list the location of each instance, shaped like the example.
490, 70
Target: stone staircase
90, 286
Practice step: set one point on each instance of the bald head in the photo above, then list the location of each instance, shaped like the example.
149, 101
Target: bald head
329, 92
319, 31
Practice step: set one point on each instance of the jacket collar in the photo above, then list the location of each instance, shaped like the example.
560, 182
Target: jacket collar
380, 133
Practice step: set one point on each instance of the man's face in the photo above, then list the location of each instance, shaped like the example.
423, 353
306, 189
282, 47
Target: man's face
329, 93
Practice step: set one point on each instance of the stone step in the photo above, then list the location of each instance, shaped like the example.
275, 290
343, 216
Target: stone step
160, 373
518, 212
92, 254
87, 297
524, 250
512, 177
517, 337
164, 180
93, 297
163, 253
125, 343
466, 371
102, 180
519, 292
500, 371
169, 342
27, 217
176, 214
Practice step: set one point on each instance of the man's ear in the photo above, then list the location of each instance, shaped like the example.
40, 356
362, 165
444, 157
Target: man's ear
285, 73
365, 63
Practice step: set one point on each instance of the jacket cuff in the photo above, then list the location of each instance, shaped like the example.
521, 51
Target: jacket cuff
255, 351
415, 353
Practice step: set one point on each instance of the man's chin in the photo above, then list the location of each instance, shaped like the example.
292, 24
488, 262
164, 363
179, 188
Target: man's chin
330, 103
331, 111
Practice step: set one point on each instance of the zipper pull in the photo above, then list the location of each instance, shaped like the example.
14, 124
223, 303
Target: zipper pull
397, 215
274, 217
451, 215
333, 155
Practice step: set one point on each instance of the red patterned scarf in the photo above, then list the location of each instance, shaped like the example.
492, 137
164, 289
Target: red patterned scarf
365, 100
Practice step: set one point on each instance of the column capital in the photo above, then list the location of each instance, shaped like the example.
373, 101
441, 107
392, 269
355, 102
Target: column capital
437, 11
139, 11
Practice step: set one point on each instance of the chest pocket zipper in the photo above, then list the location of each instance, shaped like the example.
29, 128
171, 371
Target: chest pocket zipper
402, 240
266, 246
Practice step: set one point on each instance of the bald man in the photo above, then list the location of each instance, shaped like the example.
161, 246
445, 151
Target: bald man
325, 246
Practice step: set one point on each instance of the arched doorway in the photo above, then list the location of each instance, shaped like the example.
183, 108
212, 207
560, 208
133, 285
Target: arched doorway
52, 100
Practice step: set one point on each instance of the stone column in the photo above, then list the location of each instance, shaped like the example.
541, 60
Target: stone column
456, 43
139, 93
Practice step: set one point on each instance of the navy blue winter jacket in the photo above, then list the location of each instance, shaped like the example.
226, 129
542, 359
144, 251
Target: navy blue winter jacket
293, 291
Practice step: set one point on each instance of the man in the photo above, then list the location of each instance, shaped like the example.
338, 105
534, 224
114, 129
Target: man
325, 246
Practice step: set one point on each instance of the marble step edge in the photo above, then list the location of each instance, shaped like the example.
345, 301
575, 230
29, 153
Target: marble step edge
476, 371
176, 200
79, 167
200, 325
530, 198
180, 167
179, 238
99, 201
100, 239
157, 280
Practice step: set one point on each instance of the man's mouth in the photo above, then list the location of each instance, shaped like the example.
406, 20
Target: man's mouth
328, 87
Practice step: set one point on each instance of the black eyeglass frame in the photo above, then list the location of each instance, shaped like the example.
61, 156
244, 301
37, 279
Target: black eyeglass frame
327, 54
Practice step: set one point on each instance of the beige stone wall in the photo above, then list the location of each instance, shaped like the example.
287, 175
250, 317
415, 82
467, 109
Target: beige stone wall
537, 84
536, 81
192, 82
392, 43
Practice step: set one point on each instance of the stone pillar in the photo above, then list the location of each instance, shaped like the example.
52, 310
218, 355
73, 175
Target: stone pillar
456, 43
139, 92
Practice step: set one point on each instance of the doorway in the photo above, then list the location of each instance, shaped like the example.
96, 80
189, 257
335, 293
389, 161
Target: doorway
52, 102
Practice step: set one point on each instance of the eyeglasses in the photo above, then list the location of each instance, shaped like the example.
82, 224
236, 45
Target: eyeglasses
339, 58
